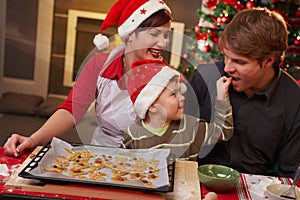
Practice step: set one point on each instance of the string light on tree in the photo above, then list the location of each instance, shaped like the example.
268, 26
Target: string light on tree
297, 41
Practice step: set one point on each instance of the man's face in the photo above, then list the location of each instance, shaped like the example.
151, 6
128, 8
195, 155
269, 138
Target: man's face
247, 74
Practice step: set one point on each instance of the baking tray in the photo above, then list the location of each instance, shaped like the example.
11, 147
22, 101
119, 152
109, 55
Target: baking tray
26, 173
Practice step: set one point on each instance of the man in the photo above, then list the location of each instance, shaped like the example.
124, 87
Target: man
265, 99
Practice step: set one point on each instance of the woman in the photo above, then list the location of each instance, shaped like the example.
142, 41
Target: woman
144, 26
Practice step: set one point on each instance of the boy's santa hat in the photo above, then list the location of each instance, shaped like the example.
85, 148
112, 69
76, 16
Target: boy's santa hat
147, 80
128, 15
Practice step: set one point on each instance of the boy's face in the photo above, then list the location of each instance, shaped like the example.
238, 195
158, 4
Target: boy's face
170, 102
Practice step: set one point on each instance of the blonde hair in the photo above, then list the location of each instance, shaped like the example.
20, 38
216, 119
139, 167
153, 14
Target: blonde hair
256, 33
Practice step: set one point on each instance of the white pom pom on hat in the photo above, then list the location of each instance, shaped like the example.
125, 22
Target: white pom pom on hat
128, 15
101, 41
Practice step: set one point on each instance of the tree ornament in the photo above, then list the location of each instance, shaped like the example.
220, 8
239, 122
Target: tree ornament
201, 36
225, 19
250, 4
297, 42
297, 13
230, 2
206, 49
197, 28
239, 6
214, 36
185, 55
219, 20
211, 4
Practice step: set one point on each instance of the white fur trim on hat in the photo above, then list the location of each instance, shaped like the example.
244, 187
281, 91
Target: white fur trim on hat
140, 15
152, 90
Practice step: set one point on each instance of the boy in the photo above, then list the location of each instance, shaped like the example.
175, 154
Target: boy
155, 91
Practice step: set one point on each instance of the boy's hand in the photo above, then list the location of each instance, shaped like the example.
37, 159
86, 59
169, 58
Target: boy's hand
222, 87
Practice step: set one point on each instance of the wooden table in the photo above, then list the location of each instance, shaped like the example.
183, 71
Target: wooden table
186, 186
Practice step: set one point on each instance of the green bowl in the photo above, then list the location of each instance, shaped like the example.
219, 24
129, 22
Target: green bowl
218, 178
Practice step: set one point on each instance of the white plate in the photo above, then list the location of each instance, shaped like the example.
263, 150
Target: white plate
274, 191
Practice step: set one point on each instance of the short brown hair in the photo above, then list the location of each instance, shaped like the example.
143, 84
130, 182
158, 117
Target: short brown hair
256, 33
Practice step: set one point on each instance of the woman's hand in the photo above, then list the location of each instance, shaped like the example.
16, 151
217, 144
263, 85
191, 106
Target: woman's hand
222, 87
18, 144
60, 122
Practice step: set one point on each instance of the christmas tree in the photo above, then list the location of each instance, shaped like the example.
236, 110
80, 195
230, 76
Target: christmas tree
216, 14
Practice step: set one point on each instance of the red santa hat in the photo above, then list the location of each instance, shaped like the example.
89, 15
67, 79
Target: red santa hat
146, 82
128, 15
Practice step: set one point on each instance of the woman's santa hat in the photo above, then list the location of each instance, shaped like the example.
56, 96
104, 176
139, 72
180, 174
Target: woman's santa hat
147, 80
128, 15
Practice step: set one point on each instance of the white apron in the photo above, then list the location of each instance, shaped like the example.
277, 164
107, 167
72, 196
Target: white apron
114, 112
